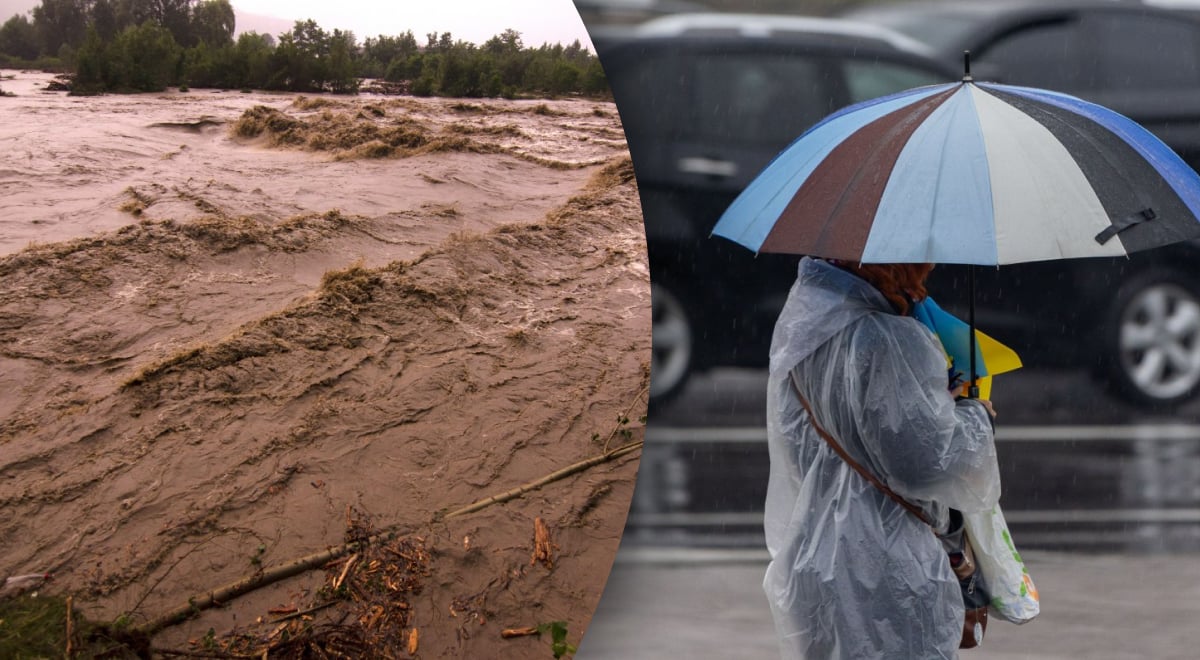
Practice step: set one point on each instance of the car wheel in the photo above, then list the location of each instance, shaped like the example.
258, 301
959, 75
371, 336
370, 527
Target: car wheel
1153, 339
671, 354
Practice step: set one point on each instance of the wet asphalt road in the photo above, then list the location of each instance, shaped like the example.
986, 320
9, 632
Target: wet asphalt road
705, 605
1103, 500
1082, 470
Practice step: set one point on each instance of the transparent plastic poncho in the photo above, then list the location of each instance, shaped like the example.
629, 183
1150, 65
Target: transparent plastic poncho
852, 573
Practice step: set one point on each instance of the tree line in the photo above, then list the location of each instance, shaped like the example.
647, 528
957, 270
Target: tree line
149, 45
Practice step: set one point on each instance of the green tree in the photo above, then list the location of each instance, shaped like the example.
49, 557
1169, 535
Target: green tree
204, 66
19, 38
59, 23
341, 69
175, 16
594, 81
143, 58
214, 22
381, 54
250, 61
104, 19
507, 42
91, 66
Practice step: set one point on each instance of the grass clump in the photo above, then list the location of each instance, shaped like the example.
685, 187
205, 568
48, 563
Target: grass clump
617, 172
504, 130
260, 119
224, 234
353, 284
36, 627
137, 202
306, 103
546, 111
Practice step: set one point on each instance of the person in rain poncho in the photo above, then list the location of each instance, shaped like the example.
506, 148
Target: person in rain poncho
852, 573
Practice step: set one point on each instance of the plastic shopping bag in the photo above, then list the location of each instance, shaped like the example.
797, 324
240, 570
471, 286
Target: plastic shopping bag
1014, 597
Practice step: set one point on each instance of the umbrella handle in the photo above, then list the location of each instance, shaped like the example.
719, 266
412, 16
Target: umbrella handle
967, 66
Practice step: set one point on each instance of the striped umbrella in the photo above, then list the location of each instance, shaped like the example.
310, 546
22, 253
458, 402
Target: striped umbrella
969, 173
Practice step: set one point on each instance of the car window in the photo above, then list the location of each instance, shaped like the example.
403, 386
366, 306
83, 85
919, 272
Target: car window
1049, 55
1146, 52
649, 91
940, 27
756, 98
867, 80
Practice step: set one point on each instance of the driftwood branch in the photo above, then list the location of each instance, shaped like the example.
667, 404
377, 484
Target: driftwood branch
209, 599
550, 478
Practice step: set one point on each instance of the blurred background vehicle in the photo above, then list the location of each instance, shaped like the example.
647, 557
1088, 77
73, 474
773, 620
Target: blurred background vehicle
708, 99
1137, 59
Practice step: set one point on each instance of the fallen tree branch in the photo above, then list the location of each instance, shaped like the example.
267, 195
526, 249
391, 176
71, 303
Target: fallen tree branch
550, 478
209, 599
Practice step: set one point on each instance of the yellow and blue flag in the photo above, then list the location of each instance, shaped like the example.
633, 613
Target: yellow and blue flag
991, 357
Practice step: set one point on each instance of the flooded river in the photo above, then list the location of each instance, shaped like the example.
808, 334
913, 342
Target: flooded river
237, 329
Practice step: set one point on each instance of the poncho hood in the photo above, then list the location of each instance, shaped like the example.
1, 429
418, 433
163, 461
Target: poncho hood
823, 302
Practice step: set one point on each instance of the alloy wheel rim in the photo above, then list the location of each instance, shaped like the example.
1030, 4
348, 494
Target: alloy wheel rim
671, 341
1160, 341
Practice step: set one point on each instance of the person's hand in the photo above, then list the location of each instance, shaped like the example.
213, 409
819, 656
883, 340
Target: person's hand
988, 404
961, 393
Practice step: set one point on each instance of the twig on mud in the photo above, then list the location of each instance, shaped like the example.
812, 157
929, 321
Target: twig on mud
199, 654
296, 615
261, 578
543, 546
624, 417
345, 569
70, 651
166, 573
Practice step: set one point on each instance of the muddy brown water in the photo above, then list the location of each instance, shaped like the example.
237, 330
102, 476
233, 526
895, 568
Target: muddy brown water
210, 345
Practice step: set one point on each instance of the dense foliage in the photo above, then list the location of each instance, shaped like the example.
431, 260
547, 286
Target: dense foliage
149, 45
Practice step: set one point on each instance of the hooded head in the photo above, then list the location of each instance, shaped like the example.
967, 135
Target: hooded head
901, 284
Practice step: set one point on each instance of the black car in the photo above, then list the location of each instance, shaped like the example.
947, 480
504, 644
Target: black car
1137, 59
707, 100
1136, 321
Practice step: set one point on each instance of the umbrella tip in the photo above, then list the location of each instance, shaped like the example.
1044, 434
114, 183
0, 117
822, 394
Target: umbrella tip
967, 66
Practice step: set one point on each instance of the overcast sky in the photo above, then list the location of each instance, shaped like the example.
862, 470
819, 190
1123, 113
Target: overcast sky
538, 21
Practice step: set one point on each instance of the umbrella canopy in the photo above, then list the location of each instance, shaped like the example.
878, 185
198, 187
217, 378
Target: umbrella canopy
969, 173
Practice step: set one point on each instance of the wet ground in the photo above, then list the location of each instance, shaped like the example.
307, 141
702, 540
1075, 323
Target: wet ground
1103, 499
1081, 469
709, 605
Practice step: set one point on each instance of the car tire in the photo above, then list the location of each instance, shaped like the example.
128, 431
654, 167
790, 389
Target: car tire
673, 347
1151, 340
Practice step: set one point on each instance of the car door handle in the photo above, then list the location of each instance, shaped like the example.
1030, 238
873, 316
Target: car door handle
708, 167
